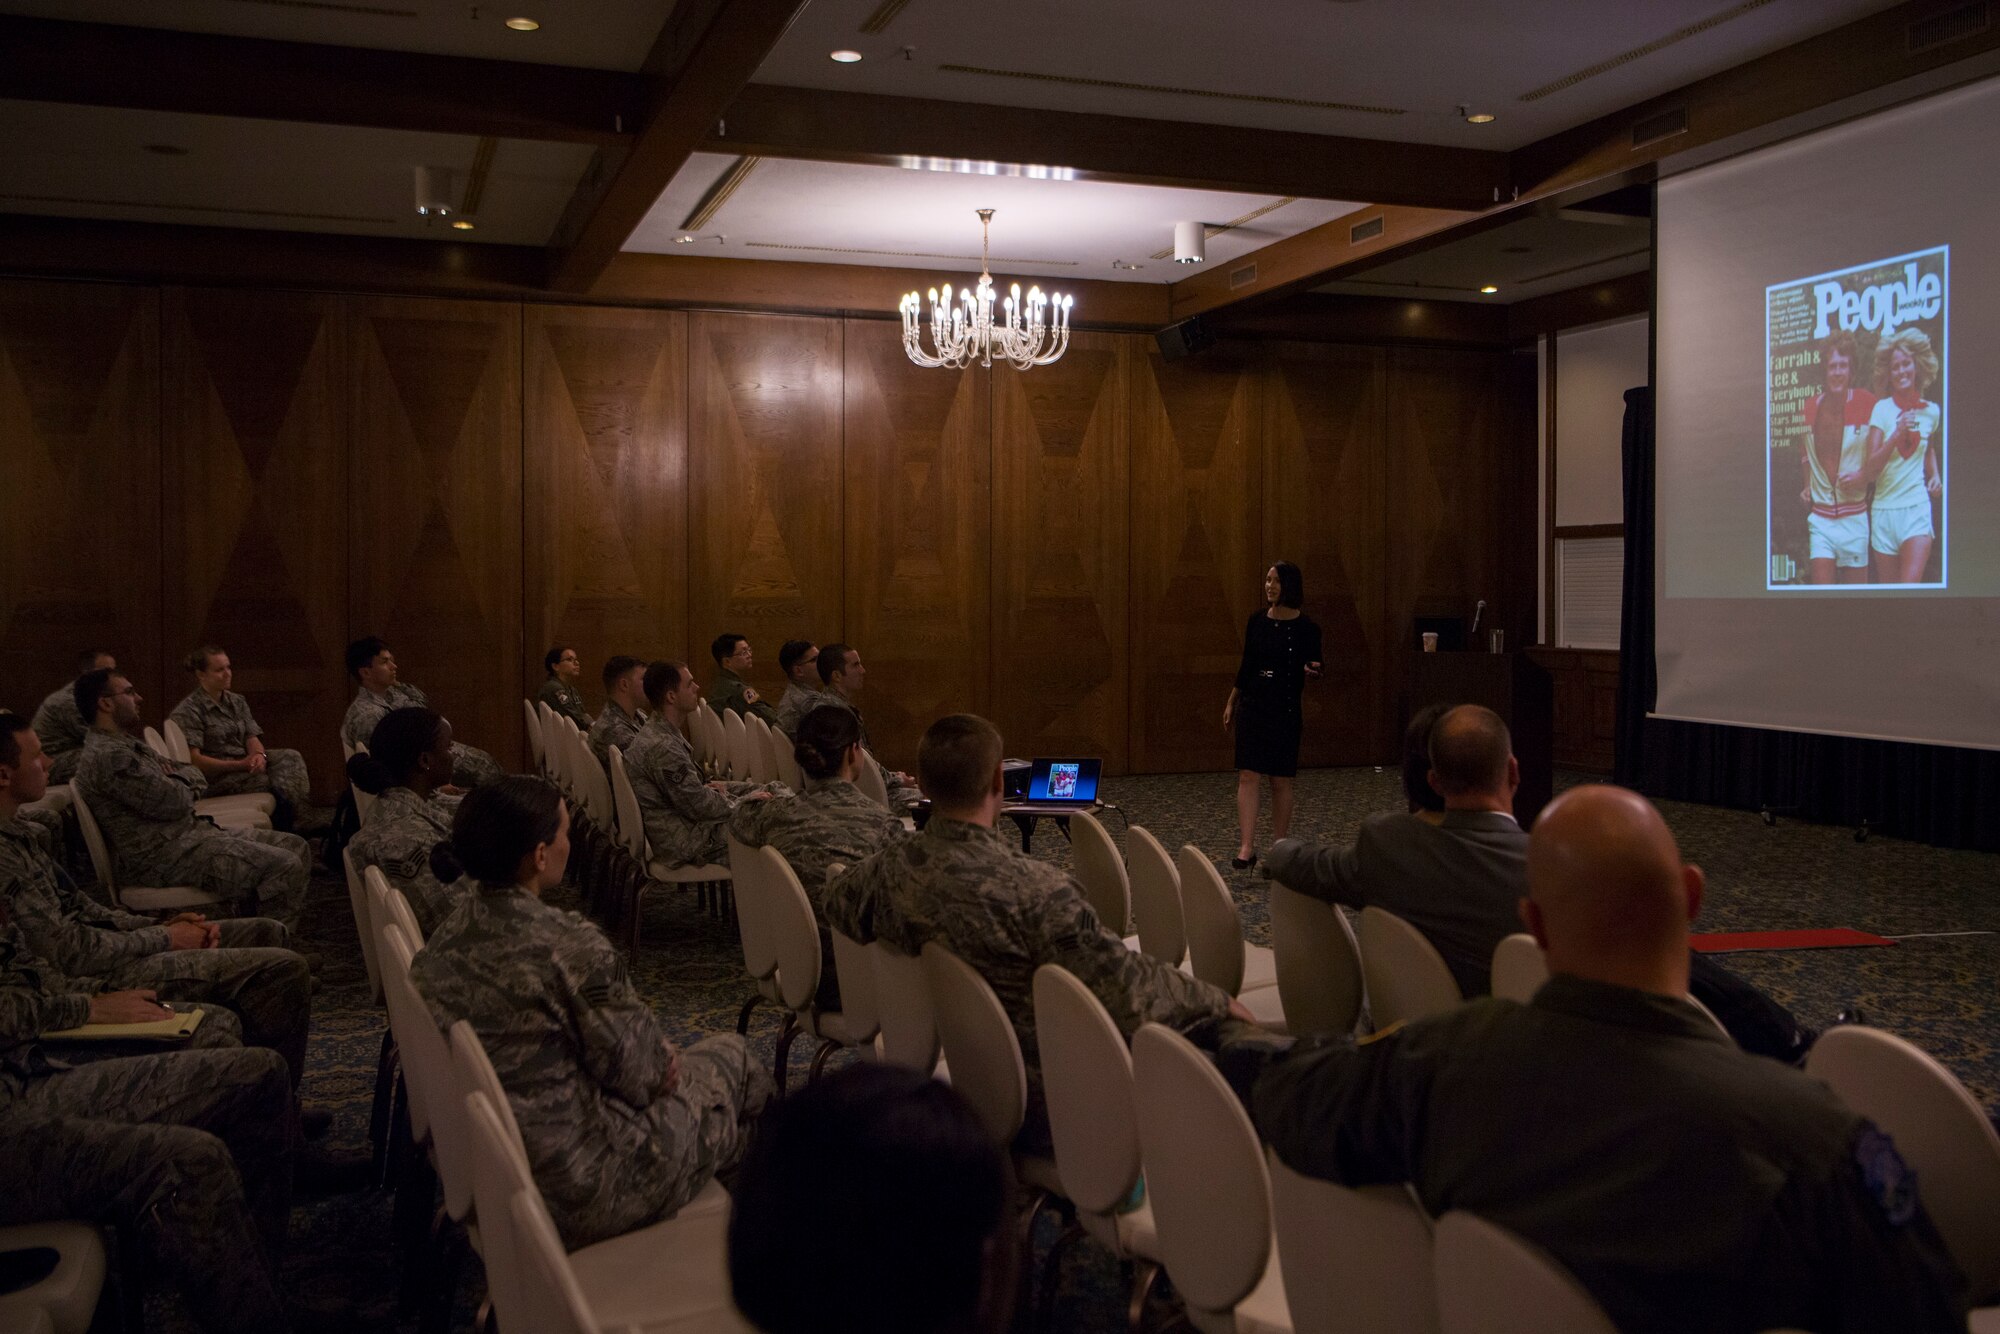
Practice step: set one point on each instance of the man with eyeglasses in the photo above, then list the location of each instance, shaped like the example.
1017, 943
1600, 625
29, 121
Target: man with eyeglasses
800, 660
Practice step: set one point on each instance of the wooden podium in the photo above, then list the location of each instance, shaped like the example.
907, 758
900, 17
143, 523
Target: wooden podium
1518, 689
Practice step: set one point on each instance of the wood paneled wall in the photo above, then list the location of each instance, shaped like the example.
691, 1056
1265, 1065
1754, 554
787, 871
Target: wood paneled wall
1070, 550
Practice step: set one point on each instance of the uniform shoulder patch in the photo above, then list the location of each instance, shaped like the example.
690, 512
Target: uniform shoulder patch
1889, 1181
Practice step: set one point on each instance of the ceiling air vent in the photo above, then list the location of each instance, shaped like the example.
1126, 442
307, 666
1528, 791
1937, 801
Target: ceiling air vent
1954, 25
1366, 231
1663, 126
1242, 277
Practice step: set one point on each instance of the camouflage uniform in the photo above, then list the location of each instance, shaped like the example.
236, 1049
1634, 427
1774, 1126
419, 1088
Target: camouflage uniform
61, 729
613, 1147
267, 987
731, 693
221, 730
796, 703
683, 815
566, 700
615, 727
899, 793
398, 838
1006, 914
470, 766
147, 817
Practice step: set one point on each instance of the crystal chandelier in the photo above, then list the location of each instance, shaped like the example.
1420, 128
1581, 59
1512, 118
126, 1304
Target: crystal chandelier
1033, 333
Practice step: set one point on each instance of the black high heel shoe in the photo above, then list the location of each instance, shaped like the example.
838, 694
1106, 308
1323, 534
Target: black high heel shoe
1243, 863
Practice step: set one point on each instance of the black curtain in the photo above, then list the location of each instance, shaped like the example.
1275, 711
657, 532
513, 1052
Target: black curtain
1943, 795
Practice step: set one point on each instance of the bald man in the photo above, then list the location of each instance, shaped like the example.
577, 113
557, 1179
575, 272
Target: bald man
1687, 1185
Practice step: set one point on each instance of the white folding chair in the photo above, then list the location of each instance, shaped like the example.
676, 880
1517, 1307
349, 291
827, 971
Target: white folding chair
63, 1301
671, 1278
132, 898
1318, 963
386, 904
177, 743
1490, 1281
536, 745
1354, 1259
1211, 1197
1101, 870
239, 810
1087, 1080
757, 738
1939, 1128
753, 932
630, 822
357, 902
1407, 978
436, 1118
786, 761
158, 743
908, 1017
870, 780
985, 1056
736, 745
785, 919
1217, 952
1156, 896
1519, 968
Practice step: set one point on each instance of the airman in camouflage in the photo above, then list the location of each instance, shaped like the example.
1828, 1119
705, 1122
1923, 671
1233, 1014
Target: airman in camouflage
559, 690
145, 809
733, 659
615, 727
684, 816
61, 729
621, 1129
970, 888
221, 727
398, 838
373, 668
795, 704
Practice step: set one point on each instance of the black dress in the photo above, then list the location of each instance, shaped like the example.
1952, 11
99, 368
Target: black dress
1268, 722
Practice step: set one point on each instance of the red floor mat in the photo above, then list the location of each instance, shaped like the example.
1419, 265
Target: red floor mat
1825, 938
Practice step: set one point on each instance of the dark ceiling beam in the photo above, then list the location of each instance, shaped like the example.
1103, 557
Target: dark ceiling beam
1308, 259
705, 55
156, 69
770, 121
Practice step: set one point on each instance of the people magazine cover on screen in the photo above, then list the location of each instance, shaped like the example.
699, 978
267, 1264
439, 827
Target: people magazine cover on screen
1855, 442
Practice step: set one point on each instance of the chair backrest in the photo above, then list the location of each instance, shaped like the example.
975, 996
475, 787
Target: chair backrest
788, 920
555, 754
475, 1073
1352, 1259
364, 804
1214, 931
428, 1072
498, 1174
979, 1043
594, 786
1087, 1079
870, 780
1519, 969
1939, 1128
757, 746
177, 742
1318, 963
858, 1000
1156, 895
903, 997
631, 824
1204, 1172
787, 763
1490, 1281
751, 880
158, 743
736, 744
535, 743
547, 1285
93, 841
699, 743
397, 995
364, 923
776, 744
1101, 870
1407, 977
388, 904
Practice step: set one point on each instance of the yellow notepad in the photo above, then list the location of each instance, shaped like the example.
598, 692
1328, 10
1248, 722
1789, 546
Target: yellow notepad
172, 1028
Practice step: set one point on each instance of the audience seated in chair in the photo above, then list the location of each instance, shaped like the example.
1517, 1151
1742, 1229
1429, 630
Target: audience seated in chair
624, 711
408, 760
1460, 880
373, 668
733, 661
831, 822
964, 884
685, 817
841, 672
61, 728
561, 667
621, 1128
144, 803
1686, 1184
226, 744
799, 660
874, 1202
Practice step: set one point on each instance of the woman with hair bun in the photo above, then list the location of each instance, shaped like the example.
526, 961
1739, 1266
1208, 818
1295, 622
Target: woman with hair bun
831, 822
408, 759
621, 1128
226, 744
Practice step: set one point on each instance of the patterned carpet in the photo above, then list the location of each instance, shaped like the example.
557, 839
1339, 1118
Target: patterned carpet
1939, 989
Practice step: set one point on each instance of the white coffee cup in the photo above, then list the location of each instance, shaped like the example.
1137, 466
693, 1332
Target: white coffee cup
1430, 641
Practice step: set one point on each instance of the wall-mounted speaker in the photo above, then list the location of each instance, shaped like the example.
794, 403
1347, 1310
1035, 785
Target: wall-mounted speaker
1184, 339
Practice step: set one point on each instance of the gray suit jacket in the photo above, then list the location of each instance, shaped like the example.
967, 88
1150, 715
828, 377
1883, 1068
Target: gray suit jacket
1460, 882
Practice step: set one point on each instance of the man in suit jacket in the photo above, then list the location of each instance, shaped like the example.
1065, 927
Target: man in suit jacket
1461, 881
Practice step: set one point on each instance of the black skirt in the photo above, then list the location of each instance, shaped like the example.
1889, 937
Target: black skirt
1267, 735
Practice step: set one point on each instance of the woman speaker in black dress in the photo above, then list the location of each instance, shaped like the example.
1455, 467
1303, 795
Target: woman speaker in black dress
1281, 651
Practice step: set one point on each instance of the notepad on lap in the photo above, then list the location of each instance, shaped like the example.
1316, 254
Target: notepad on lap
171, 1029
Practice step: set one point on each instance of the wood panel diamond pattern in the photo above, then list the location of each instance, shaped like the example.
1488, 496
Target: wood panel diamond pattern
1060, 560
255, 396
80, 519
606, 485
919, 498
434, 533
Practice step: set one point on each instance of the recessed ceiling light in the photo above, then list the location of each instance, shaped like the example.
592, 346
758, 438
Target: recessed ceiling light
1488, 290
462, 224
167, 150
1480, 118
845, 56
683, 240
523, 25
